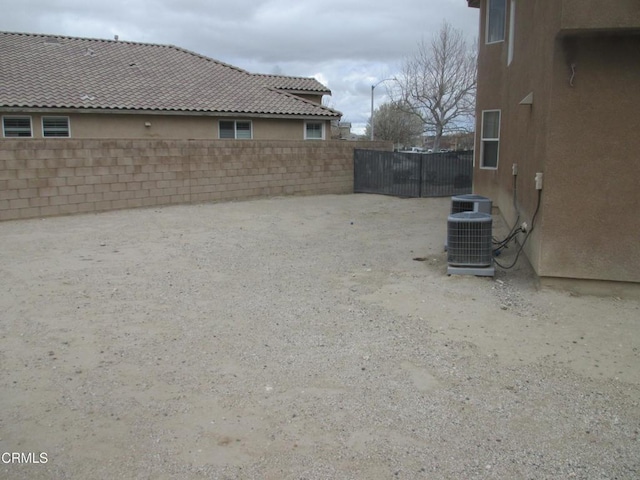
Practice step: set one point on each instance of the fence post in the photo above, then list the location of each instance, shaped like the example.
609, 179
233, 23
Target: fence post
420, 176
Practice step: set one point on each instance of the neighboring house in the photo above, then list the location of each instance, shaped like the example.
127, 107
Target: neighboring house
559, 94
342, 131
56, 86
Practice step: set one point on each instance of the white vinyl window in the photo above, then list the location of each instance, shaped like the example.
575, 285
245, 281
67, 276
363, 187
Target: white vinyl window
496, 16
55, 127
490, 139
314, 130
13, 127
235, 129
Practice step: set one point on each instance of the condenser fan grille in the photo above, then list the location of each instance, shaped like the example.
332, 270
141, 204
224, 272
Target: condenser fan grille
469, 239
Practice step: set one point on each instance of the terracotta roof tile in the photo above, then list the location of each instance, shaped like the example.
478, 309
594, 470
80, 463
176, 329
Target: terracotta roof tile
44, 71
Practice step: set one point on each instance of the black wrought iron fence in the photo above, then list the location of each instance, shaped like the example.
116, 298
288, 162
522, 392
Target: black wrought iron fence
413, 174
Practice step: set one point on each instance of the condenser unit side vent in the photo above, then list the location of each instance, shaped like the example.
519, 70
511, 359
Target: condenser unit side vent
471, 203
458, 207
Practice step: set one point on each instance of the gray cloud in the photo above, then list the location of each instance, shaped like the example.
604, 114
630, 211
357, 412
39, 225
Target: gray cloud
347, 44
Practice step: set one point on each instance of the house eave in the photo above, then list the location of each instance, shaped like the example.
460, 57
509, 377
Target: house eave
473, 3
178, 113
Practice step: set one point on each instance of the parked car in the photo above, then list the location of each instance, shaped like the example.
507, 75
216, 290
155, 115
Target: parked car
413, 150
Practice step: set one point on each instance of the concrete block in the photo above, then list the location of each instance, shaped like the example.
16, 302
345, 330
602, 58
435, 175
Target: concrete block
9, 214
58, 200
49, 211
27, 192
77, 198
51, 182
29, 212
68, 209
103, 205
94, 197
84, 189
48, 191
67, 190
18, 203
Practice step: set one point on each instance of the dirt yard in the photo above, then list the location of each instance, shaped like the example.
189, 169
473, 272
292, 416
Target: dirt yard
297, 338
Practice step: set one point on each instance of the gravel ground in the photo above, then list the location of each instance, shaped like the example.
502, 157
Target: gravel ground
297, 338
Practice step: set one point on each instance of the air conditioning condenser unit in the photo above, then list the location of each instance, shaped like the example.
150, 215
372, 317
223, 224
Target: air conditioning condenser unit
469, 247
469, 203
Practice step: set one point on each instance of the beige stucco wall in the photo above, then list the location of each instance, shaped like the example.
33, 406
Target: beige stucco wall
523, 128
592, 223
581, 137
600, 14
91, 125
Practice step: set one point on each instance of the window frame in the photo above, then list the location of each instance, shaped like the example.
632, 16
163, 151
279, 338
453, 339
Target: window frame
312, 122
44, 131
484, 140
512, 31
488, 22
235, 129
4, 129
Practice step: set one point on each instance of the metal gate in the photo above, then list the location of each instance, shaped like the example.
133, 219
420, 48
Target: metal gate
413, 174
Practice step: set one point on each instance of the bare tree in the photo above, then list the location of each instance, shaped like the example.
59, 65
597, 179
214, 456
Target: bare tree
394, 123
438, 83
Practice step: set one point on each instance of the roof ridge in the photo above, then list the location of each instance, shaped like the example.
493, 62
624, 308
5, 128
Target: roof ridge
129, 42
70, 37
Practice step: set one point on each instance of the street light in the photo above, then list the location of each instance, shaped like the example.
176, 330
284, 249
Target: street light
372, 88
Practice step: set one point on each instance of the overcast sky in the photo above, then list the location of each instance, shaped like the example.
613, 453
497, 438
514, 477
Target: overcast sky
346, 44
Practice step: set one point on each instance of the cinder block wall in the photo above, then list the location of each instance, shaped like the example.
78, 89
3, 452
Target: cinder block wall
40, 178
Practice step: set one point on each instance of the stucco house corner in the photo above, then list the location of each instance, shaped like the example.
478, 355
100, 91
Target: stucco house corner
557, 100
